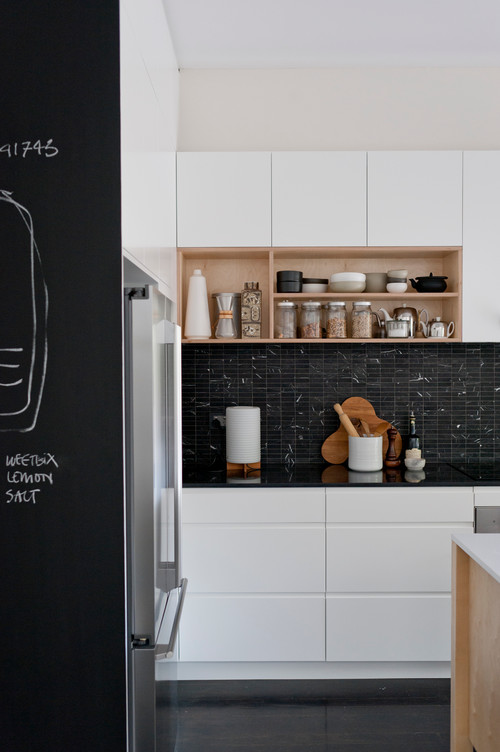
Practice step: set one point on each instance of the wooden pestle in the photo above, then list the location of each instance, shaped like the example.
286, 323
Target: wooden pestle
345, 420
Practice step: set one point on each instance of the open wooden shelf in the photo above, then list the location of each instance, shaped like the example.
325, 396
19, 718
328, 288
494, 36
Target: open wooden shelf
226, 270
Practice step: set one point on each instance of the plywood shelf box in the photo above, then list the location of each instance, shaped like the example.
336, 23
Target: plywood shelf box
227, 269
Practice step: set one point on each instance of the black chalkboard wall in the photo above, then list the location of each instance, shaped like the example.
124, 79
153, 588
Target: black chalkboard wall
61, 489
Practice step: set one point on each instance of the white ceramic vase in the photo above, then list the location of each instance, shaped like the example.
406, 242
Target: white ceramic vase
197, 321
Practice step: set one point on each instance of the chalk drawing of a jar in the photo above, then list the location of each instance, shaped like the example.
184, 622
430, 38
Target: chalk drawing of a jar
23, 319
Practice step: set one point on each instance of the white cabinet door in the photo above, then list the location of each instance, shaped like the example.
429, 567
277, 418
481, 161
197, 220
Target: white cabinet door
253, 628
415, 198
481, 247
223, 199
149, 93
251, 505
377, 628
399, 505
487, 496
319, 198
246, 559
390, 559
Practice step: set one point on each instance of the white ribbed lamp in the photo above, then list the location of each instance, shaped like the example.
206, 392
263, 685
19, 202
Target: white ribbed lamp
243, 434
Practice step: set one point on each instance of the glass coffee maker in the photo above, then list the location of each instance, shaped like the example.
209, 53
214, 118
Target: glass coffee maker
227, 325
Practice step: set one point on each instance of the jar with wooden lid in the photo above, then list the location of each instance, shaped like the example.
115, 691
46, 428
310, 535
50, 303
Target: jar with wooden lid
336, 320
285, 320
361, 320
310, 320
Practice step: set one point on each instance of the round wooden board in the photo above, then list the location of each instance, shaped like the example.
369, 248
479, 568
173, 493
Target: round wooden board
335, 449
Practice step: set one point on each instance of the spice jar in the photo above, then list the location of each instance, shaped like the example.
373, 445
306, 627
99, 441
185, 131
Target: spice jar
285, 320
336, 320
310, 320
361, 320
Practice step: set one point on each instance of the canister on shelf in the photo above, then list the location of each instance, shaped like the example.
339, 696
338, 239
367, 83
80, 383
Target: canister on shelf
251, 311
285, 320
336, 320
310, 320
361, 320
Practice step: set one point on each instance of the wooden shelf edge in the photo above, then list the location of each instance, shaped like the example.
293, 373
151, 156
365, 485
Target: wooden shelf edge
365, 295
322, 340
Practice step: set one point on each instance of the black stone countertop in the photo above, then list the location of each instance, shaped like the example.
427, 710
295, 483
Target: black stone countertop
434, 474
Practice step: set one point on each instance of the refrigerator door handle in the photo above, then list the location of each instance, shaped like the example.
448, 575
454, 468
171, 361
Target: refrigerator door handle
167, 651
169, 333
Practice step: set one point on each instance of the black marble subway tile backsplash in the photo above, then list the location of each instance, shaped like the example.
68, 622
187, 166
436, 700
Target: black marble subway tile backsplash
454, 390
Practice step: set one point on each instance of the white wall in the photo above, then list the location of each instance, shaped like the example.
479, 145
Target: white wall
340, 108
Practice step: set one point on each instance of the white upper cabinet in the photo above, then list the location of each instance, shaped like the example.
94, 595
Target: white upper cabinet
319, 198
223, 199
149, 106
415, 198
481, 253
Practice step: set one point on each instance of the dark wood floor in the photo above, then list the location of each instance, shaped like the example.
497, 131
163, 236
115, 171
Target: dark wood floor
305, 716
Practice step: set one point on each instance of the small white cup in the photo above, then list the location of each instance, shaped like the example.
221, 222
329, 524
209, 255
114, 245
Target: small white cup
365, 453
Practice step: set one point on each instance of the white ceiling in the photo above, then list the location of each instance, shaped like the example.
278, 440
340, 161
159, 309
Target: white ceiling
327, 33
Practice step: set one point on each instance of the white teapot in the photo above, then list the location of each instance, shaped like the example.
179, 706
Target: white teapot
438, 328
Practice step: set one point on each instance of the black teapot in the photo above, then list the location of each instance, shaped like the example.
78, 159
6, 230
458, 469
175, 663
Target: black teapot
429, 284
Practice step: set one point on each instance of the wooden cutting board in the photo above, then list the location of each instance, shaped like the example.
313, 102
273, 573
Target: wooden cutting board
335, 449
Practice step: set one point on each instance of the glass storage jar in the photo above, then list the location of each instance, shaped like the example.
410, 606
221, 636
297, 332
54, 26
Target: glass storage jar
336, 320
285, 320
310, 320
361, 320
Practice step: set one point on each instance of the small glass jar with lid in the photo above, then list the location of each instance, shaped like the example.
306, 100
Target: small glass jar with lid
285, 320
361, 320
310, 320
336, 320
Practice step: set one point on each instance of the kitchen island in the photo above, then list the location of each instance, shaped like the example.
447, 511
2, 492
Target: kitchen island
475, 699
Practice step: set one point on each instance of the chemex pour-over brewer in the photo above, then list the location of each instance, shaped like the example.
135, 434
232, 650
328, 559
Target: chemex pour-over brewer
226, 326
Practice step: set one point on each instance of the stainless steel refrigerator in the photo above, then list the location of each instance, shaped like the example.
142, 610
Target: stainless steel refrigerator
155, 588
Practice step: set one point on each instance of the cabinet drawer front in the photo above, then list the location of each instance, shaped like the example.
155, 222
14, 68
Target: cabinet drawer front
253, 629
400, 505
256, 560
395, 559
280, 505
388, 629
486, 497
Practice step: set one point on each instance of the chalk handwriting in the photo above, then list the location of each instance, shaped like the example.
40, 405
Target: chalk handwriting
24, 148
30, 460
23, 352
22, 496
21, 481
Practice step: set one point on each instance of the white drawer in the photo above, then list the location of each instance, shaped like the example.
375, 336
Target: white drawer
234, 559
487, 496
390, 559
253, 629
400, 505
279, 505
404, 628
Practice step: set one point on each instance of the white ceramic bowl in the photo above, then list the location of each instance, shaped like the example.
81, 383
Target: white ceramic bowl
347, 286
348, 277
396, 286
314, 287
415, 463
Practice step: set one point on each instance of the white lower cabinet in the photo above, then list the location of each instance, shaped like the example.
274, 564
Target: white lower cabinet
325, 583
253, 628
255, 561
384, 628
389, 572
